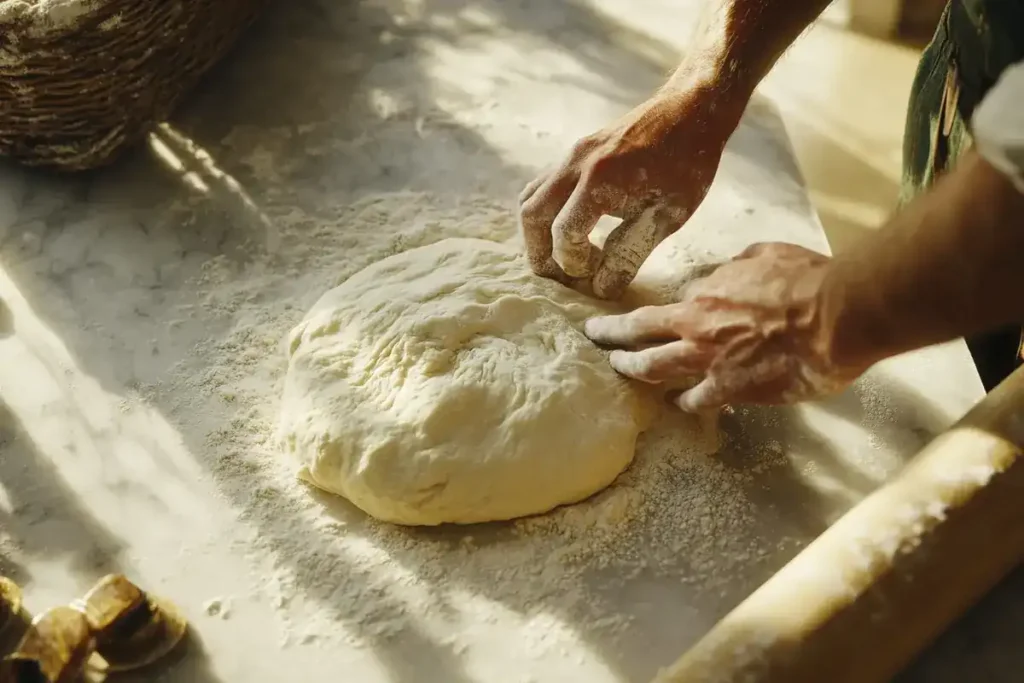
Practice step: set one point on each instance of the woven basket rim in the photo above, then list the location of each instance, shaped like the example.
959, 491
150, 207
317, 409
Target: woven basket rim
75, 95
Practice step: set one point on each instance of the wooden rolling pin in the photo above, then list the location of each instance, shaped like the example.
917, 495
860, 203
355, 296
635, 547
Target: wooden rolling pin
871, 592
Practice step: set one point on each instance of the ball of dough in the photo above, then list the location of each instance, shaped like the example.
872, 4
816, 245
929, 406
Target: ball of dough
450, 384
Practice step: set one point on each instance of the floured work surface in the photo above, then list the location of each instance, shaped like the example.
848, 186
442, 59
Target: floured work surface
140, 363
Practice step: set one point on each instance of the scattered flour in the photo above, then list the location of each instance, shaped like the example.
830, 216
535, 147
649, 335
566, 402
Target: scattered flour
218, 607
45, 16
46, 21
678, 517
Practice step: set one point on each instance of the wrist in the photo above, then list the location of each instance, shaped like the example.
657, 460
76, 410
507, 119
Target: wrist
713, 67
846, 336
698, 104
712, 79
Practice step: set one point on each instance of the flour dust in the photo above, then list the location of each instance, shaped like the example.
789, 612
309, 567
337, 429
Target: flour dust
677, 517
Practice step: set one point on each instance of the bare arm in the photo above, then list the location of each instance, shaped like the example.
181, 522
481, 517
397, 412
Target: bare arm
951, 264
780, 323
653, 167
739, 41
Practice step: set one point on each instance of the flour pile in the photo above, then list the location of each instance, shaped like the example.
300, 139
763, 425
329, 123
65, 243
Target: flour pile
676, 517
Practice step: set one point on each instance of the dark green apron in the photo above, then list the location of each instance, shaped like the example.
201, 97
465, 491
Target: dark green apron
974, 42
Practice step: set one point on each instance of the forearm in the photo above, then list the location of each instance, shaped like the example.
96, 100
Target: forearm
738, 42
951, 264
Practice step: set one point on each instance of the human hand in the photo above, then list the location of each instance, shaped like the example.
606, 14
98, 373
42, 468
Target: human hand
652, 169
756, 330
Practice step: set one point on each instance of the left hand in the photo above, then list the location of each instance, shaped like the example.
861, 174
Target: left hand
754, 331
652, 168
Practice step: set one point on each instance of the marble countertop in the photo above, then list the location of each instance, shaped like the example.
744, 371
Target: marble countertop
142, 306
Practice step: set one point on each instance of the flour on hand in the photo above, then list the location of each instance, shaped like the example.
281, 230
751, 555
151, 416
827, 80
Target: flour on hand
450, 384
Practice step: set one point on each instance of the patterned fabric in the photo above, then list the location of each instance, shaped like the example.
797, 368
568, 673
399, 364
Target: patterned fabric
976, 40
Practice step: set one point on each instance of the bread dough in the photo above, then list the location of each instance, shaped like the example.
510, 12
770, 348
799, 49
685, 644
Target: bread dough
450, 384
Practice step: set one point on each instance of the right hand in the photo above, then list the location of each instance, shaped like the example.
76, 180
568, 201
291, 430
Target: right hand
759, 329
652, 169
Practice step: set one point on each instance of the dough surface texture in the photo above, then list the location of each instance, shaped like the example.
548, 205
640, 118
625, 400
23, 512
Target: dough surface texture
450, 384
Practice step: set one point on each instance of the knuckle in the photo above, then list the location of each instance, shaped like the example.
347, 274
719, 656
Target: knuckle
600, 168
536, 211
527, 210
582, 147
524, 195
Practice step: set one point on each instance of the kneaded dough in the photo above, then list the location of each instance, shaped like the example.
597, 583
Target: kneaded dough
450, 384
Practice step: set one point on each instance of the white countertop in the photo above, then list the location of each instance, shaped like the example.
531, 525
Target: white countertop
139, 363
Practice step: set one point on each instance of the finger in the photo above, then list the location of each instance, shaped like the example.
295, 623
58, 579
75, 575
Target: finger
532, 187
674, 361
536, 216
570, 231
708, 395
647, 324
628, 246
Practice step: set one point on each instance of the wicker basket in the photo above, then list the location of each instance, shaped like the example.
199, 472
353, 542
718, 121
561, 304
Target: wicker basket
76, 92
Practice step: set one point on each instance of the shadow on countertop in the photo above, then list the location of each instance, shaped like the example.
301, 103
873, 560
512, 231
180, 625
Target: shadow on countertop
301, 87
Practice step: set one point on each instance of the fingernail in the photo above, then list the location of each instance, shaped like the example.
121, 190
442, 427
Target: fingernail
626, 363
595, 329
684, 402
605, 329
574, 259
610, 284
694, 400
548, 268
